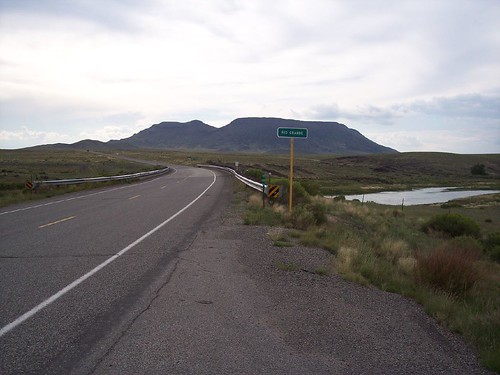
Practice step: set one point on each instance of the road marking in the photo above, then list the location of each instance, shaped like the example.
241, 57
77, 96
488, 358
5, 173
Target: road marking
56, 222
135, 196
9, 327
184, 179
84, 196
163, 187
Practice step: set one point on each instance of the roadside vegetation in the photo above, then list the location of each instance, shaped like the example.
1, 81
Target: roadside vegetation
319, 174
337, 174
19, 166
447, 259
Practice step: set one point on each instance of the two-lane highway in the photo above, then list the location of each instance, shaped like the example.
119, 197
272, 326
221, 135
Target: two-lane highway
75, 272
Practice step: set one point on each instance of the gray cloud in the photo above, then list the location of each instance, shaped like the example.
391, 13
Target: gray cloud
371, 114
109, 14
462, 106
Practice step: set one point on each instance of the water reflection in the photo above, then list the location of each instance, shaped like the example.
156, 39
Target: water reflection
419, 196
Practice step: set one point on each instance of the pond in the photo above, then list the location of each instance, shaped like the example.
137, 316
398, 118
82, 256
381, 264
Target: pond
419, 196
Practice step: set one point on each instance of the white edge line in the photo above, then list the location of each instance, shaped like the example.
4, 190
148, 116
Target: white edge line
9, 327
82, 196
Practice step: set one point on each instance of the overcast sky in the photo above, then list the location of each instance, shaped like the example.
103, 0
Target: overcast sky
419, 75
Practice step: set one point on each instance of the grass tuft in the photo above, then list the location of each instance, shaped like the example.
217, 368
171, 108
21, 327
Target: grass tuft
392, 249
407, 265
450, 266
279, 237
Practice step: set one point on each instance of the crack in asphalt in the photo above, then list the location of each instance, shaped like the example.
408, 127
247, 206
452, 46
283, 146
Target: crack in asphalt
135, 318
156, 294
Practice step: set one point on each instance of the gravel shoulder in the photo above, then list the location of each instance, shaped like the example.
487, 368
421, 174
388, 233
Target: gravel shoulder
229, 308
361, 330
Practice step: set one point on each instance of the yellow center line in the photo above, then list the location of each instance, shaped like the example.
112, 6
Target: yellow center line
57, 222
184, 179
135, 196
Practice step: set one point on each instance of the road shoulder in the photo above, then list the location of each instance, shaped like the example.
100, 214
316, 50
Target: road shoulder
229, 307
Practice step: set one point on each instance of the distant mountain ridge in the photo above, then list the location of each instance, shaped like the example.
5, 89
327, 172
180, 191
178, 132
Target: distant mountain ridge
250, 134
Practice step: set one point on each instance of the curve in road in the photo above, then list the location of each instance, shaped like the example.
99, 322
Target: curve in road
75, 272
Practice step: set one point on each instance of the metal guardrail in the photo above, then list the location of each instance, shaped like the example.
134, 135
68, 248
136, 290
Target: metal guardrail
102, 179
254, 185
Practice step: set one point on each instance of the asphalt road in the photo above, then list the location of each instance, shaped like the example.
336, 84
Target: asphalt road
76, 271
160, 277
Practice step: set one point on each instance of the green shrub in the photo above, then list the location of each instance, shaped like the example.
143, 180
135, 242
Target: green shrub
453, 225
450, 266
332, 238
300, 195
311, 214
261, 216
478, 169
254, 174
312, 187
492, 246
319, 211
302, 218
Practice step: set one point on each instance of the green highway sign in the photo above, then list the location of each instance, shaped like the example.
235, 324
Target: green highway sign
292, 132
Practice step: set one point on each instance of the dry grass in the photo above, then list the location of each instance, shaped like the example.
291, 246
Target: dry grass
280, 209
276, 233
345, 264
345, 259
279, 237
392, 249
407, 265
450, 267
255, 200
356, 210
